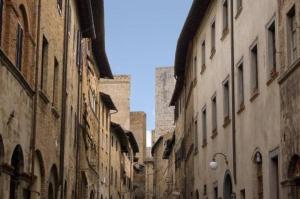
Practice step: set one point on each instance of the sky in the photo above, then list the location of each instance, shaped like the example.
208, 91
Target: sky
140, 36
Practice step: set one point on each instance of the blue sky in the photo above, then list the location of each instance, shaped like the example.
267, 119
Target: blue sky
140, 36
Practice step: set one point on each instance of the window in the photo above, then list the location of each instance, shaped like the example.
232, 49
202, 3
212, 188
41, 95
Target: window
196, 135
292, 35
272, 49
116, 178
213, 38
44, 64
226, 101
203, 56
78, 49
214, 114
59, 5
107, 143
274, 177
55, 82
112, 141
1, 14
225, 16
240, 85
111, 176
195, 67
204, 126
19, 47
254, 69
93, 100
239, 5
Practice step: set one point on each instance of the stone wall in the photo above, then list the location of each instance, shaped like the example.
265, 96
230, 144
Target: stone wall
164, 114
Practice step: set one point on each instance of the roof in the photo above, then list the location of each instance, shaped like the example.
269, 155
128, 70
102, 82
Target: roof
120, 133
132, 141
188, 32
98, 43
169, 146
156, 144
86, 18
108, 101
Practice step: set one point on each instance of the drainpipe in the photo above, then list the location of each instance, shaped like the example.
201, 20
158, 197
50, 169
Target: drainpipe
233, 94
64, 98
33, 139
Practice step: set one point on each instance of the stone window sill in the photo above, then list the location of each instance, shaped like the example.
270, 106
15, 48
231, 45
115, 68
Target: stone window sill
214, 134
225, 33
238, 13
255, 94
241, 108
273, 76
226, 121
212, 53
203, 67
55, 111
44, 96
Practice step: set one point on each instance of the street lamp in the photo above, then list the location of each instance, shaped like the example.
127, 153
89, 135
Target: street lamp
214, 164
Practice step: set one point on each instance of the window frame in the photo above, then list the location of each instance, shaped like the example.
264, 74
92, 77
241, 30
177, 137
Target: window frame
254, 69
291, 18
204, 125
241, 85
19, 47
272, 67
213, 37
226, 101
214, 115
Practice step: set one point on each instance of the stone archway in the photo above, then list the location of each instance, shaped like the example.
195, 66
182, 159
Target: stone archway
53, 183
17, 162
228, 192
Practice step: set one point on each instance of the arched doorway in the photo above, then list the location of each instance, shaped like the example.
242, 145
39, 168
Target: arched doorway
197, 194
92, 196
39, 172
227, 187
53, 183
294, 176
17, 162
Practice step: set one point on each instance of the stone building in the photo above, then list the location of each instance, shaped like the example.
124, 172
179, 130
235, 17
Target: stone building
289, 62
226, 70
50, 122
118, 148
17, 82
149, 194
164, 114
138, 128
119, 89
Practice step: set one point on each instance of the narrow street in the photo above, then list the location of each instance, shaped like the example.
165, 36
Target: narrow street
149, 99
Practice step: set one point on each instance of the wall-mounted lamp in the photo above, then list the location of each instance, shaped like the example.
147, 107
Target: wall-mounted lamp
214, 164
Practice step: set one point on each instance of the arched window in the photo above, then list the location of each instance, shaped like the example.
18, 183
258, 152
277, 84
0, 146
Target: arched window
227, 187
197, 194
17, 162
53, 183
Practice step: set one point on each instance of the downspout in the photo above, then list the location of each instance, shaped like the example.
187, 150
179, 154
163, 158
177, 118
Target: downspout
64, 98
233, 94
33, 139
